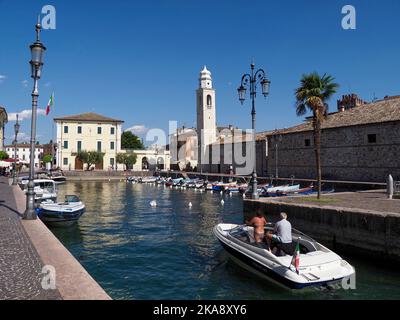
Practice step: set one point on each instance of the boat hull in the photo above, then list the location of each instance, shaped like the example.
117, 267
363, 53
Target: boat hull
272, 270
60, 218
263, 271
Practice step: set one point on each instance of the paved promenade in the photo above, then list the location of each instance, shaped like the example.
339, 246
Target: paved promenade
375, 201
20, 264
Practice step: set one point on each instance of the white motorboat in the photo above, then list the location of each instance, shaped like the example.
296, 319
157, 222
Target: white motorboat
318, 266
63, 213
45, 189
285, 188
148, 180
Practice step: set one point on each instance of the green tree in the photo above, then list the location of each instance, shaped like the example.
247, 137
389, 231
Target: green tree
90, 157
130, 141
312, 95
47, 158
127, 159
4, 155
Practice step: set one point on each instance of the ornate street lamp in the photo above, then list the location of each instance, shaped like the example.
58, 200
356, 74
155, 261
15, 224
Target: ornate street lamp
252, 80
16, 130
37, 52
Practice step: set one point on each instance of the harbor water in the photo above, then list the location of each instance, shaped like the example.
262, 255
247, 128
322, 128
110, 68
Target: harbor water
136, 251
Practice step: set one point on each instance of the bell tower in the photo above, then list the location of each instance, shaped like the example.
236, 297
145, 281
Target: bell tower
206, 116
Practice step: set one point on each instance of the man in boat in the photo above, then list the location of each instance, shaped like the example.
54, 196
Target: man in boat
281, 239
258, 223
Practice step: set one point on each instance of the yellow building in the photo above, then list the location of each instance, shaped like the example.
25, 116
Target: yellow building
3, 121
88, 132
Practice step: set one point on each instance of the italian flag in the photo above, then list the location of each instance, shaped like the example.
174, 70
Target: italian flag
50, 104
296, 258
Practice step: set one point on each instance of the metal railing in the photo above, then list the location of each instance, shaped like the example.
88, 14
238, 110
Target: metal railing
397, 187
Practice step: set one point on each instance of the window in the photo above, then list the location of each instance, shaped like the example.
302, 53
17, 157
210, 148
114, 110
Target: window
112, 145
112, 130
98, 146
79, 146
209, 101
372, 138
79, 129
65, 161
112, 161
307, 142
23, 157
65, 129
65, 144
98, 130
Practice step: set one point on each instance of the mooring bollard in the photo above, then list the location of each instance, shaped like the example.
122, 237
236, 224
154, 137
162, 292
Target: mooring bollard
390, 187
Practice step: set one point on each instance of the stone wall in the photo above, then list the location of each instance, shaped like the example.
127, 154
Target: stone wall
346, 154
352, 231
239, 155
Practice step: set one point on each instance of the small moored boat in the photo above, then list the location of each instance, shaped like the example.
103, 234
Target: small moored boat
62, 213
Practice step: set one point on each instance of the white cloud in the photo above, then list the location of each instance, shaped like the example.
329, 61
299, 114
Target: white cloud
138, 129
25, 114
47, 84
25, 83
22, 137
2, 78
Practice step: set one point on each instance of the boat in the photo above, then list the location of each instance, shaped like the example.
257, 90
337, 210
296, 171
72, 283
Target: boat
199, 184
220, 186
45, 189
63, 213
318, 265
57, 176
177, 182
148, 180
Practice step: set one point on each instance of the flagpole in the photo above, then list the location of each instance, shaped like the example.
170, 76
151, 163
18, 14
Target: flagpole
294, 254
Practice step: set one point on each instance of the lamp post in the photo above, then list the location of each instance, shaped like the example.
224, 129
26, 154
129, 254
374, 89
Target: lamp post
37, 52
16, 130
252, 80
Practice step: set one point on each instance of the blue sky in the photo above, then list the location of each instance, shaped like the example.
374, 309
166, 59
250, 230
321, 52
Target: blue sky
139, 60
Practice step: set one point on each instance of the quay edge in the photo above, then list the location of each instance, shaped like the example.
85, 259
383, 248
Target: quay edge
72, 280
360, 232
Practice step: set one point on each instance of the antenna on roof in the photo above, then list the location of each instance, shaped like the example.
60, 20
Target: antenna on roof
374, 99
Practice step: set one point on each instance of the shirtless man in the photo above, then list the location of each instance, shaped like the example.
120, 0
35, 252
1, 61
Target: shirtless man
258, 223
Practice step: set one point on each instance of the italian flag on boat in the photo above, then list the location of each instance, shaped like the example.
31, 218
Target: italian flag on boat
296, 258
50, 104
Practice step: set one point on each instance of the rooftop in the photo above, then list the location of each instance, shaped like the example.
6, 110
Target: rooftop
386, 110
23, 145
89, 117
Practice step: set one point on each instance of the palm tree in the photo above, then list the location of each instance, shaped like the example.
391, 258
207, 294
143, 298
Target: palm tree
312, 95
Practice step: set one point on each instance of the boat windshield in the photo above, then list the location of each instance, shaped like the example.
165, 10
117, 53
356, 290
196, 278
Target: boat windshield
45, 186
71, 198
240, 233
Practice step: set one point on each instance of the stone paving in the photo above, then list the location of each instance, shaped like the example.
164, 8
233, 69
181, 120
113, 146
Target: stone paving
366, 200
20, 264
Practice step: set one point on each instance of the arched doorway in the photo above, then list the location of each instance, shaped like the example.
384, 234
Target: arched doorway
145, 163
160, 163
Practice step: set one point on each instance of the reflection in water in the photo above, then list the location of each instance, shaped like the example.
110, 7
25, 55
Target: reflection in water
136, 251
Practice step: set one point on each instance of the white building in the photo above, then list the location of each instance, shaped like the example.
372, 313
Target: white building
23, 153
88, 132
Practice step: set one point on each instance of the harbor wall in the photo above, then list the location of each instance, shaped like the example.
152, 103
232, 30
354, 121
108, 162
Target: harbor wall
72, 280
355, 231
78, 175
